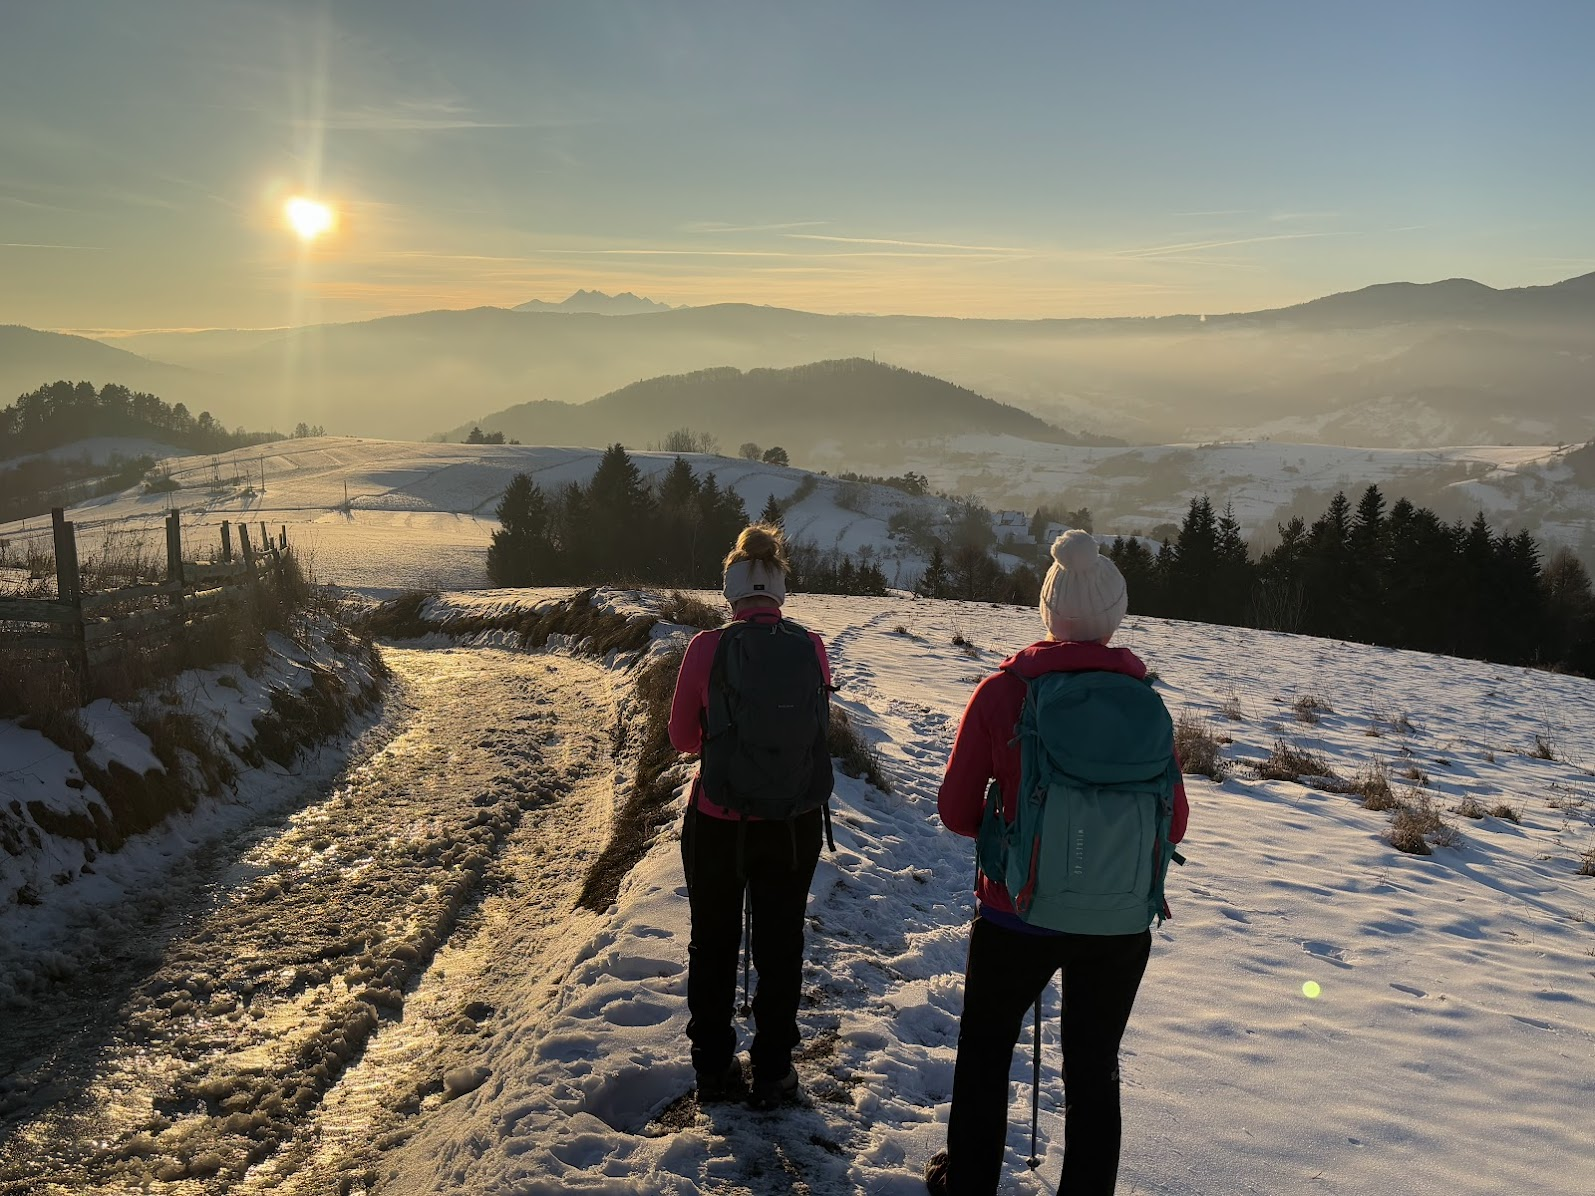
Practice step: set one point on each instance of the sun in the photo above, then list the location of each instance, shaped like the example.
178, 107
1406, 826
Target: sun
308, 218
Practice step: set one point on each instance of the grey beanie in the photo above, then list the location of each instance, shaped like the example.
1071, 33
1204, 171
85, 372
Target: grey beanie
754, 579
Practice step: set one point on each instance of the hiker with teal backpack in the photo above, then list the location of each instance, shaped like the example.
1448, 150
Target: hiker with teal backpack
754, 698
1064, 773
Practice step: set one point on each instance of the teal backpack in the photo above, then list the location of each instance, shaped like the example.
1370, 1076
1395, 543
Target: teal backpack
1089, 848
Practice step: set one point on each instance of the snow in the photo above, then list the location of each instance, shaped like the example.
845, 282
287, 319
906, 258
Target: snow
101, 450
1446, 1050
1453, 998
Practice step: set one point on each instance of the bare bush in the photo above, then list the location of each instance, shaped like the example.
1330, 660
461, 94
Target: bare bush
1508, 813
1230, 708
1417, 828
1470, 807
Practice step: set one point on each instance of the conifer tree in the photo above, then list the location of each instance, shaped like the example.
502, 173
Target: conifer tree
934, 583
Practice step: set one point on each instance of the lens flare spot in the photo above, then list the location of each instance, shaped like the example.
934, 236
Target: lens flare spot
308, 218
1311, 991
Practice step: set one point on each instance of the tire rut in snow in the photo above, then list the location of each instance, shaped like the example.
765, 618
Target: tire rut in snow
220, 1056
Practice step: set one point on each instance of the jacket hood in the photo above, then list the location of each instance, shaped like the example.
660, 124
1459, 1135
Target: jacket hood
1068, 656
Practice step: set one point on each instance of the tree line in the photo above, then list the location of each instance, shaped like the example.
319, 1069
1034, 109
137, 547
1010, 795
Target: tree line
1379, 573
620, 528
61, 412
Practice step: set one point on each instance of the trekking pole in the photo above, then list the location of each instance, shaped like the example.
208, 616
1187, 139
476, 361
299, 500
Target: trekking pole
1035, 1088
747, 950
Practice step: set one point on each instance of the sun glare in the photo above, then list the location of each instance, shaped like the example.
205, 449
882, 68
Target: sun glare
308, 218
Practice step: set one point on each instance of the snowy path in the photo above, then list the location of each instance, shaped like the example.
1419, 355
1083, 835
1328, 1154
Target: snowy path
443, 865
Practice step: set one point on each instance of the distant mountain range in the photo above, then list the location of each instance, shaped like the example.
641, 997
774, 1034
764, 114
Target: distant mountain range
1398, 364
598, 304
853, 400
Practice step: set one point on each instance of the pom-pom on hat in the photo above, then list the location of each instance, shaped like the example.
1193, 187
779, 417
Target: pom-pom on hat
1083, 597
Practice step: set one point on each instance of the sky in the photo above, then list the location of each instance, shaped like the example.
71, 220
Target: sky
1077, 158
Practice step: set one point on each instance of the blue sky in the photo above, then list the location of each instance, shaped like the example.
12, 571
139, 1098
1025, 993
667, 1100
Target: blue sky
1048, 159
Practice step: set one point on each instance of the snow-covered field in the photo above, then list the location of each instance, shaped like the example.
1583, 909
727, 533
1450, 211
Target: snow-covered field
1528, 487
389, 515
1446, 1050
383, 515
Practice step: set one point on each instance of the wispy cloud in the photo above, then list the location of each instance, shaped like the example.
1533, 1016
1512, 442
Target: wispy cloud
948, 245
423, 116
1195, 247
717, 226
47, 245
1218, 212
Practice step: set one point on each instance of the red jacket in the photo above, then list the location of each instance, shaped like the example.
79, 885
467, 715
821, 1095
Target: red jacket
985, 747
691, 698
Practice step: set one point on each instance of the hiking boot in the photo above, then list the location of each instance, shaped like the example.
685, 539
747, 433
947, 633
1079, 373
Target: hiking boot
936, 1174
721, 1085
770, 1094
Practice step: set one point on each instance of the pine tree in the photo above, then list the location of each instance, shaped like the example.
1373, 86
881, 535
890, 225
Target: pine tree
934, 583
619, 512
771, 513
519, 550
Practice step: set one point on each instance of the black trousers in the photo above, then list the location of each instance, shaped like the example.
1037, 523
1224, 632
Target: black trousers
1006, 972
778, 860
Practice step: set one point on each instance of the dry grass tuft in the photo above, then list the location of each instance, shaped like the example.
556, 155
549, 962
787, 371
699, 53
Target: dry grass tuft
1470, 807
1586, 862
1198, 748
1509, 813
691, 612
1417, 827
1372, 784
1309, 708
1287, 762
1543, 749
857, 758
647, 807
1230, 708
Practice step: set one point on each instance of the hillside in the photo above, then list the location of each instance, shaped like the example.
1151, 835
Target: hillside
1166, 379
30, 358
852, 402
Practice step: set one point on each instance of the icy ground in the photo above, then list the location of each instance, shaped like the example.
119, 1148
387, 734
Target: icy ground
539, 1050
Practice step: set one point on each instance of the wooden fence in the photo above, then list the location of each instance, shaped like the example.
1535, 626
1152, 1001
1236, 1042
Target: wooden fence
91, 629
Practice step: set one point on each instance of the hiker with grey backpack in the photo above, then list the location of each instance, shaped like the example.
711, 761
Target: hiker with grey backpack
1064, 772
753, 698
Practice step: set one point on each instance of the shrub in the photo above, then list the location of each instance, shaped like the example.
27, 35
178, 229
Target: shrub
1197, 747
857, 758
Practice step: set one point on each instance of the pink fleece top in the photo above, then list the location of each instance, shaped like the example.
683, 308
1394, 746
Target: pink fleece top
985, 746
691, 699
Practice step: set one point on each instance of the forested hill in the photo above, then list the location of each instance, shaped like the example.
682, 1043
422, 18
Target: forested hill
63, 412
851, 399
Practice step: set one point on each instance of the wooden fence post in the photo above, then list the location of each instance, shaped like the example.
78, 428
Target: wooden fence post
69, 592
249, 557
227, 541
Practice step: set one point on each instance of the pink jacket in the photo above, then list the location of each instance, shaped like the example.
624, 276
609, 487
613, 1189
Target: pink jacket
691, 699
985, 746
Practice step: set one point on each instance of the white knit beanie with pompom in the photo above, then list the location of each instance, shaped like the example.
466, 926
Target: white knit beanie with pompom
1083, 597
